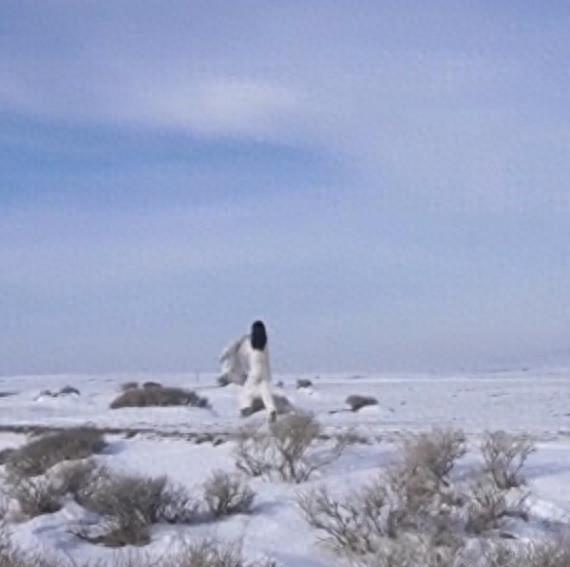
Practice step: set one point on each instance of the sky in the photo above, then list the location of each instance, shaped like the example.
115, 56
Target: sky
385, 183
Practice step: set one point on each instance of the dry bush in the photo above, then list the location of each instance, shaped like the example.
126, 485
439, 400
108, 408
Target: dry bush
435, 453
158, 396
72, 477
367, 520
505, 456
10, 556
227, 494
202, 553
363, 526
549, 553
130, 504
286, 452
151, 384
414, 552
129, 386
352, 525
35, 496
304, 383
253, 451
212, 553
45, 494
488, 506
6, 454
37, 456
416, 496
545, 554
357, 402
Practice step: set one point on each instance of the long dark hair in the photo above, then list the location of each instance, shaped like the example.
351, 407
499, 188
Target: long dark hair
258, 336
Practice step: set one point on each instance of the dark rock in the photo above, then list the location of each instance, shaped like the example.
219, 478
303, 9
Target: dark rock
67, 390
357, 402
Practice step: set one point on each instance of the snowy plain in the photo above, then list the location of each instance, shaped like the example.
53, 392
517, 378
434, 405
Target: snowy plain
188, 444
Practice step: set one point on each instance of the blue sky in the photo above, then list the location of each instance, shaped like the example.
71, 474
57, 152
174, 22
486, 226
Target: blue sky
384, 182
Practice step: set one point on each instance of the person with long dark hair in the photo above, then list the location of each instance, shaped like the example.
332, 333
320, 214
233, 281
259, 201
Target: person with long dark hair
246, 362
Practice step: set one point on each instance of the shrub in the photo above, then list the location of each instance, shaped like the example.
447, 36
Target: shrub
202, 553
435, 453
210, 553
227, 494
130, 504
489, 505
350, 525
129, 386
414, 552
152, 385
417, 499
549, 553
285, 452
37, 456
544, 554
366, 524
10, 556
158, 396
357, 402
44, 494
304, 383
72, 477
505, 456
35, 496
6, 455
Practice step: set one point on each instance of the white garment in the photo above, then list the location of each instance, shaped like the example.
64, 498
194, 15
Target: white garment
242, 364
235, 361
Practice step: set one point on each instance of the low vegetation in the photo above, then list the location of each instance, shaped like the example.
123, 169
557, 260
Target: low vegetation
40, 454
418, 509
198, 553
227, 494
158, 396
130, 504
287, 452
505, 456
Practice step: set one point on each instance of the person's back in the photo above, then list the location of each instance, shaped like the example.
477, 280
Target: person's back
259, 367
251, 354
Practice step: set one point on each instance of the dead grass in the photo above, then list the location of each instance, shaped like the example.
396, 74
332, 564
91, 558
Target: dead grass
39, 455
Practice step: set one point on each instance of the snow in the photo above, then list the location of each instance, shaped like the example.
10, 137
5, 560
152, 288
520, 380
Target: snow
536, 403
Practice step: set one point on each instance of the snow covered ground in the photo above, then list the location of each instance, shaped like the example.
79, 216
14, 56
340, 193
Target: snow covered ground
536, 403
